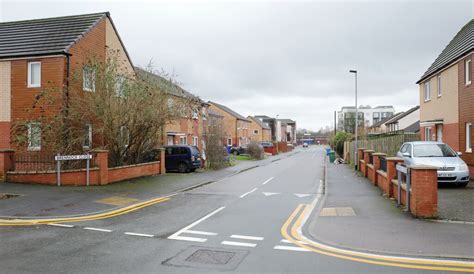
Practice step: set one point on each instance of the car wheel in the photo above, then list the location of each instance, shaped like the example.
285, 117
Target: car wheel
182, 167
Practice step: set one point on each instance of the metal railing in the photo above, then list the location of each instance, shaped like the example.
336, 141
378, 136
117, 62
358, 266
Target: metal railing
45, 161
371, 158
403, 175
383, 163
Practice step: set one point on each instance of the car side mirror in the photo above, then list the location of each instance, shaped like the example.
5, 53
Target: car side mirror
459, 153
406, 154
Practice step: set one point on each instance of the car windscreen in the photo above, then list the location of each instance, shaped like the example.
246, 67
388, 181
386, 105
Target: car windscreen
433, 150
195, 151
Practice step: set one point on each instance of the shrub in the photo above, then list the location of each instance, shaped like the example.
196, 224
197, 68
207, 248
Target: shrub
255, 150
338, 142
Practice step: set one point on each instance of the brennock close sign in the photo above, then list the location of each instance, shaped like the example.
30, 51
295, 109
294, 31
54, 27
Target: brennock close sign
72, 157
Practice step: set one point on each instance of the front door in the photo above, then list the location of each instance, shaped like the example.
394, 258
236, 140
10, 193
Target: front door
439, 133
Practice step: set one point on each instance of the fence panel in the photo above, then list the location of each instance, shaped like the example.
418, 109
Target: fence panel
44, 161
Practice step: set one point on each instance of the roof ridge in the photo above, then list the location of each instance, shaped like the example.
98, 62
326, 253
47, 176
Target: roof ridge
56, 17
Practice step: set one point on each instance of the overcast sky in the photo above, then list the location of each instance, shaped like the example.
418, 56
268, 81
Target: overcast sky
274, 57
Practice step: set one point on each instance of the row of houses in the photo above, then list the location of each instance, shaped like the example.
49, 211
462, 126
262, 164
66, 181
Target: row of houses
45, 53
446, 96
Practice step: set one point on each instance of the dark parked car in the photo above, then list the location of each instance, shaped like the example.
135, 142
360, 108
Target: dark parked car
182, 158
266, 144
238, 150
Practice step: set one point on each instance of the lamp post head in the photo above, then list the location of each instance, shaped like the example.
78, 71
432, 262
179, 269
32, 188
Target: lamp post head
353, 71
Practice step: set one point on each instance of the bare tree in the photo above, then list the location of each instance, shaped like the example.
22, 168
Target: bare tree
216, 153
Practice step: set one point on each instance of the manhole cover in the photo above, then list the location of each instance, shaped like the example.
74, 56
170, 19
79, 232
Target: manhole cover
205, 256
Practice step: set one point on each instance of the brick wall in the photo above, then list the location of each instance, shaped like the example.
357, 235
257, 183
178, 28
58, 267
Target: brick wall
229, 122
466, 110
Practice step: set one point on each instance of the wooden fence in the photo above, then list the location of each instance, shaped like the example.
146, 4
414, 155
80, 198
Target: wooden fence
386, 144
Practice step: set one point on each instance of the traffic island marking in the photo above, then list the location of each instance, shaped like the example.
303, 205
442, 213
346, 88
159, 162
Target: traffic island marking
291, 230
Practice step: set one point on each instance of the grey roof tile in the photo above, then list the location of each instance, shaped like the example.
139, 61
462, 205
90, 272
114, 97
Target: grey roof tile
259, 123
462, 43
230, 111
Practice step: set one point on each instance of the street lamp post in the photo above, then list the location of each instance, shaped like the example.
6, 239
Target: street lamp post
356, 120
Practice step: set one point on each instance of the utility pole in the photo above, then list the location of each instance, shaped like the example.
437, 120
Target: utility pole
356, 120
335, 123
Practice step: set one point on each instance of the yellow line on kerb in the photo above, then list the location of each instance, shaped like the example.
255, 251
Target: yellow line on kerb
98, 216
353, 256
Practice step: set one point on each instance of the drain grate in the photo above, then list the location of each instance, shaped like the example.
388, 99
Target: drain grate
205, 256
209, 258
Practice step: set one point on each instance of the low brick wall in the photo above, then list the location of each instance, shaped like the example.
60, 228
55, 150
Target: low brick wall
122, 173
371, 173
382, 182
363, 168
271, 150
75, 177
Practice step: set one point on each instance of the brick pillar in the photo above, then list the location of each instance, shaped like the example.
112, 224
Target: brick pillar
162, 161
391, 174
103, 163
376, 157
7, 163
424, 191
366, 159
360, 155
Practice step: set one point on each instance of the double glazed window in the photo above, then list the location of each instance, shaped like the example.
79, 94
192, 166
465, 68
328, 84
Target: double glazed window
255, 132
427, 91
195, 141
427, 134
467, 69
34, 136
468, 137
34, 74
439, 87
88, 79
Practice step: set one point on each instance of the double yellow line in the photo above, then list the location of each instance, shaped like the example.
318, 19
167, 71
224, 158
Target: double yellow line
108, 214
290, 231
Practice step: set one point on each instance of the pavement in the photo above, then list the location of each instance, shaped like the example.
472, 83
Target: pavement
456, 203
355, 215
41, 201
253, 221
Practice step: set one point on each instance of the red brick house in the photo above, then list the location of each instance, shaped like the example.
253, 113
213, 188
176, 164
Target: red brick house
45, 53
190, 127
447, 96
236, 126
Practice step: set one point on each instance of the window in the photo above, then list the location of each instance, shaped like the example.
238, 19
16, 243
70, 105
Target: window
34, 74
468, 137
427, 134
170, 139
88, 79
229, 141
204, 114
255, 132
34, 136
467, 69
439, 86
195, 141
124, 136
120, 86
376, 114
183, 140
427, 91
87, 136
195, 114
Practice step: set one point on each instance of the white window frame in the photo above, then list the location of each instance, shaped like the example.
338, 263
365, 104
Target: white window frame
195, 141
88, 72
32, 147
229, 141
170, 140
256, 132
30, 84
183, 140
467, 71
427, 133
469, 137
89, 135
427, 91
195, 113
440, 91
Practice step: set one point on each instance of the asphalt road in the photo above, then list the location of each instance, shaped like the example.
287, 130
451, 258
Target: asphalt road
231, 225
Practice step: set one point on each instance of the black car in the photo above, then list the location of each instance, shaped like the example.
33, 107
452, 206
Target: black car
238, 150
182, 158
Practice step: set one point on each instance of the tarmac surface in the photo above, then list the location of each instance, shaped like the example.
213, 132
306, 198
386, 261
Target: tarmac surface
239, 224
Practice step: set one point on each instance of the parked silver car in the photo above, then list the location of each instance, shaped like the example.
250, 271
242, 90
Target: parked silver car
451, 168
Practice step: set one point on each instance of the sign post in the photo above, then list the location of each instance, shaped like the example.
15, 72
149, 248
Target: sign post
60, 158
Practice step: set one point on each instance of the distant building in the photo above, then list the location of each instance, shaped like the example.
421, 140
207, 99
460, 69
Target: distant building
367, 116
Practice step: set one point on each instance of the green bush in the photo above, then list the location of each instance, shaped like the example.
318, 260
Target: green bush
338, 142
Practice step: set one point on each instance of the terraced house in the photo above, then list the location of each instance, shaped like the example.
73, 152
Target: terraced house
236, 126
259, 131
44, 54
190, 125
447, 96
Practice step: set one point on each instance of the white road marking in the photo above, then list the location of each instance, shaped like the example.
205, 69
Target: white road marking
138, 234
189, 239
243, 237
268, 180
302, 195
61, 225
97, 229
247, 193
238, 244
176, 236
270, 193
201, 232
291, 248
289, 242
